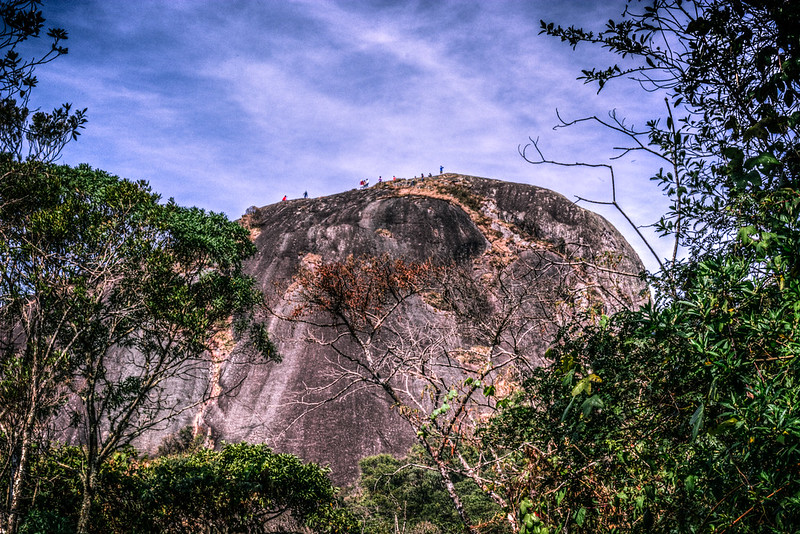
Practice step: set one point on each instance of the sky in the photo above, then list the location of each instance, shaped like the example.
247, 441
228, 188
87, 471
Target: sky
224, 104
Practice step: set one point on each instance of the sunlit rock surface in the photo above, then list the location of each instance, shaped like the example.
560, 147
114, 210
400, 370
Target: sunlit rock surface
477, 222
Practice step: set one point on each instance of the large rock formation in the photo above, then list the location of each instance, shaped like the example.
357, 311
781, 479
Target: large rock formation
476, 222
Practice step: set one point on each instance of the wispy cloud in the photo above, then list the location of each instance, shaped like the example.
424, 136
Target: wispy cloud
228, 104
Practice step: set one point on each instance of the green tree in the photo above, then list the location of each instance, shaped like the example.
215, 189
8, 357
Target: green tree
681, 417
729, 71
241, 488
109, 298
28, 133
407, 495
35, 299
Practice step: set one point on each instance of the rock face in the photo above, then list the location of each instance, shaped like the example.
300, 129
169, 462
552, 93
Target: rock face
476, 222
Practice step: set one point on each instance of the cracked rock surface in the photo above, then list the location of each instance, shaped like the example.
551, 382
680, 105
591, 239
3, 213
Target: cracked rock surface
476, 222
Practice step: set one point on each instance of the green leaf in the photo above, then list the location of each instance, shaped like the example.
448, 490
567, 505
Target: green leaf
696, 420
580, 516
765, 160
593, 402
566, 410
585, 385
745, 233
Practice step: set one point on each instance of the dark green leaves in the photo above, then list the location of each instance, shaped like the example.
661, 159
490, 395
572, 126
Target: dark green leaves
114, 298
241, 488
695, 426
27, 133
696, 420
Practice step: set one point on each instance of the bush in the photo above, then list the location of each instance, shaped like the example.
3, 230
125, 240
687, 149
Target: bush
242, 488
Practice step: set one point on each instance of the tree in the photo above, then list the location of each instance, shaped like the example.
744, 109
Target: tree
33, 340
240, 488
109, 298
406, 495
30, 135
729, 72
25, 133
442, 344
681, 417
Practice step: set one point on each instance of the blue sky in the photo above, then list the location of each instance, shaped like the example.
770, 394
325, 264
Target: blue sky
227, 104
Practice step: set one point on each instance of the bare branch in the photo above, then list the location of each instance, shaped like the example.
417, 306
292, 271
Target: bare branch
523, 151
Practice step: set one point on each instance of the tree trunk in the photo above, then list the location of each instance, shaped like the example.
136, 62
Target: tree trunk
89, 486
92, 461
18, 485
443, 471
20, 475
451, 490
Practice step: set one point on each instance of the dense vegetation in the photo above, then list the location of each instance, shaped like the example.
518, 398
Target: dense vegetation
678, 417
241, 488
108, 298
682, 416
406, 495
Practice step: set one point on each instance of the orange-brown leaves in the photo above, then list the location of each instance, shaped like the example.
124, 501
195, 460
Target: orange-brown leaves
360, 290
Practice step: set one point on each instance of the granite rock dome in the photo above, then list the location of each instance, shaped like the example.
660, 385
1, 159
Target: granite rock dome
475, 222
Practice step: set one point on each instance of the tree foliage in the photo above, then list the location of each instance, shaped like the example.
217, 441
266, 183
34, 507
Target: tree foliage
109, 299
682, 417
241, 488
729, 70
28, 133
678, 418
407, 495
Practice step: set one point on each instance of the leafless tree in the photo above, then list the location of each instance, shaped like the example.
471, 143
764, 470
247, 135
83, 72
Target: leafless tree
444, 343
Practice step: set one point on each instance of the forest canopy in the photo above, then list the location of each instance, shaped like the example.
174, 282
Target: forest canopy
680, 416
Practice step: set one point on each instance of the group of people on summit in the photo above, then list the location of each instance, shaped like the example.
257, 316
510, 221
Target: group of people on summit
365, 183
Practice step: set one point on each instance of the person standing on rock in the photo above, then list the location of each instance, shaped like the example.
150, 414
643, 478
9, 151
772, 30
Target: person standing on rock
284, 198
305, 194
441, 169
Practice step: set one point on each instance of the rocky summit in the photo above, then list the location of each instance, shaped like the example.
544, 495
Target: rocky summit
478, 223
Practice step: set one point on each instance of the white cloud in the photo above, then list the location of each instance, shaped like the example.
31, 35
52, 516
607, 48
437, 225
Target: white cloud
228, 105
